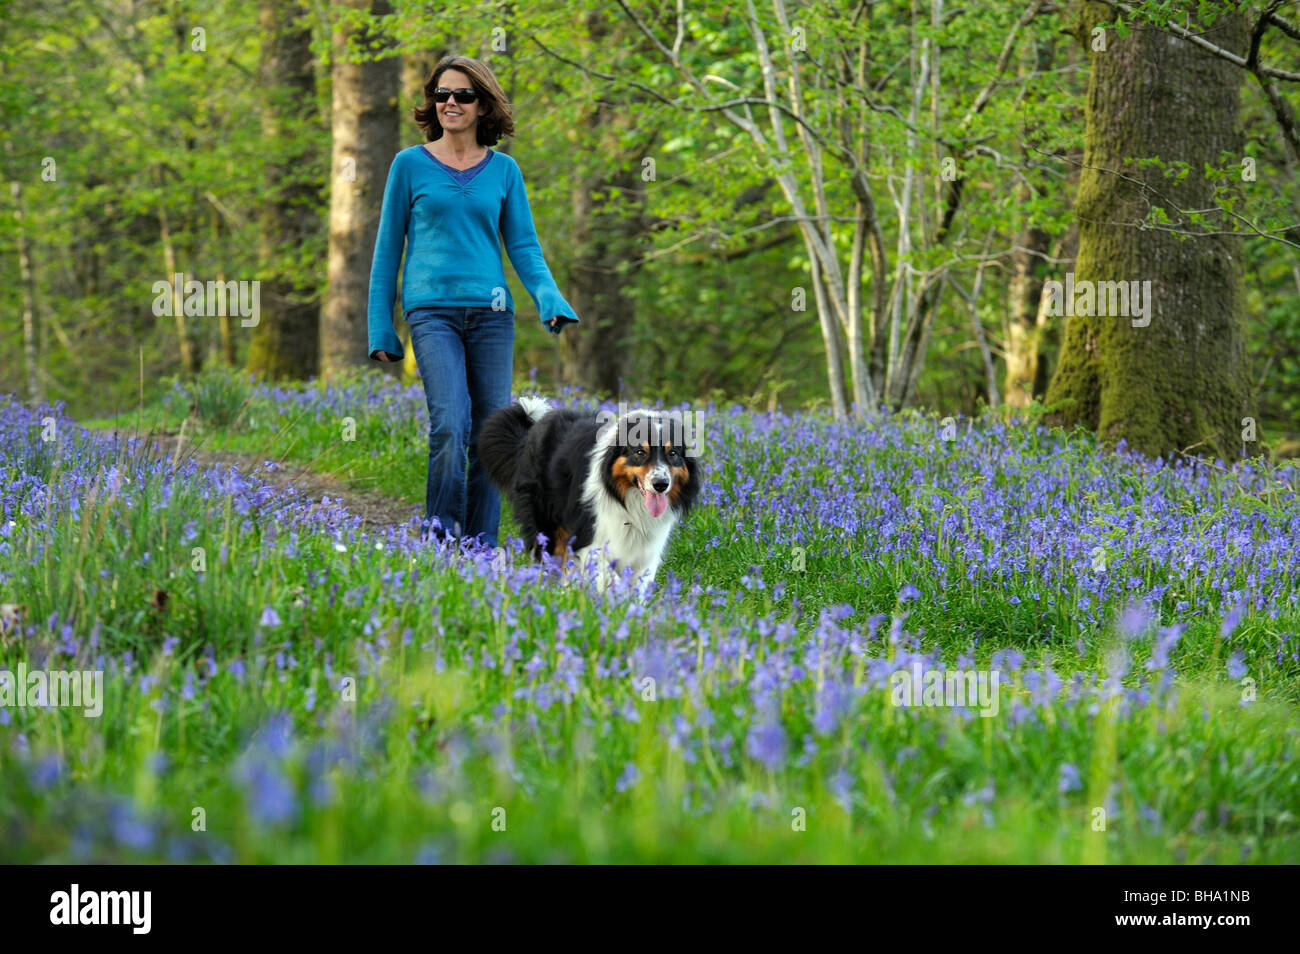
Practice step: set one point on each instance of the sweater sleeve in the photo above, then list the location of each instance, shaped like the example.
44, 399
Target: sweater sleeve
389, 243
526, 256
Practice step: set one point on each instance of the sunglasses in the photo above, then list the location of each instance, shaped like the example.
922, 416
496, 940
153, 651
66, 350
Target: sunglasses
463, 96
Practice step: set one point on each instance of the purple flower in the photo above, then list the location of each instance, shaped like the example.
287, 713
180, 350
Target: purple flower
767, 744
1135, 621
1165, 641
833, 704
1070, 781
429, 854
841, 786
1232, 620
1236, 667
129, 829
46, 772
277, 735
631, 775
271, 797
323, 791
982, 796
269, 617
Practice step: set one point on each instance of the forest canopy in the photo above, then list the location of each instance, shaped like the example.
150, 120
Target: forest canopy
838, 205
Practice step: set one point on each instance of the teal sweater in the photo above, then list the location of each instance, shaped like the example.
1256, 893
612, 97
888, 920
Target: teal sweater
453, 255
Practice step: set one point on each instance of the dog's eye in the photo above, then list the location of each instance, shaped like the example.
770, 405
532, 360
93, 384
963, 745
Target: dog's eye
673, 456
638, 454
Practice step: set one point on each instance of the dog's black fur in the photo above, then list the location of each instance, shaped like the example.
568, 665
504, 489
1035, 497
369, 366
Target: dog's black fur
541, 468
541, 461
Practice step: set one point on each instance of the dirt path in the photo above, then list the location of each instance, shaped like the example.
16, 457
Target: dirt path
375, 509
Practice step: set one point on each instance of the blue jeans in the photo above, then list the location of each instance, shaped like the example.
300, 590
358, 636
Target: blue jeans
465, 356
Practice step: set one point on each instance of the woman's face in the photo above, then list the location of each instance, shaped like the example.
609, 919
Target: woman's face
454, 116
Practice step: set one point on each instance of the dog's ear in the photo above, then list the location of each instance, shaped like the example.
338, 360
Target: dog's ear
692, 487
607, 460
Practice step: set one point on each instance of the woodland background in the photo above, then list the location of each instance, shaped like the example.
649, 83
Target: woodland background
816, 204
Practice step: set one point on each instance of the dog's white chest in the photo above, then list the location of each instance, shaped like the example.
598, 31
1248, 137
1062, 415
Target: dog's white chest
632, 544
624, 540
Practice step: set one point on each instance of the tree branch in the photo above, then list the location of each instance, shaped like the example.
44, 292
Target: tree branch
1198, 40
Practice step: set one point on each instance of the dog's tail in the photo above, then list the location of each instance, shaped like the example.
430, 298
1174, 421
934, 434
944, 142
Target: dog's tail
535, 407
502, 438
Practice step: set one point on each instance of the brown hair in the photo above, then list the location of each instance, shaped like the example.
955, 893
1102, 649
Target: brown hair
495, 119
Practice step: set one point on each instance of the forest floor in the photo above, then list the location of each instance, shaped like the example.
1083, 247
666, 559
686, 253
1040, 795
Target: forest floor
328, 700
374, 508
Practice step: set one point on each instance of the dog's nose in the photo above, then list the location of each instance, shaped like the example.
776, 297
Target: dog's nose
660, 484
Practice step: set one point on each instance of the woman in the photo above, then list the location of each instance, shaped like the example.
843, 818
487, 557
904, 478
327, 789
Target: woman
445, 201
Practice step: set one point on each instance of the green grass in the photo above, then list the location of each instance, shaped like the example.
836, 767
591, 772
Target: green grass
221, 412
435, 743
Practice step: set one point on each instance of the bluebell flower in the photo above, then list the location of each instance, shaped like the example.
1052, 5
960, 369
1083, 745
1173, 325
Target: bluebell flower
1070, 781
129, 829
1135, 621
631, 775
429, 854
270, 795
833, 703
767, 744
46, 772
1236, 667
1232, 620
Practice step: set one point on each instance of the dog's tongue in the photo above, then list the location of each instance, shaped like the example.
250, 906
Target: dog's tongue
656, 503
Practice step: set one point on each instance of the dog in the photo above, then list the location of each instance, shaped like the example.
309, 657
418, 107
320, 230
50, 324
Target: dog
607, 492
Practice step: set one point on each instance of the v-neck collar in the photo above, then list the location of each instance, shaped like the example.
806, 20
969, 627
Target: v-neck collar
451, 169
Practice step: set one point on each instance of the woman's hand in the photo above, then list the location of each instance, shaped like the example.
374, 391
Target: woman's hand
387, 358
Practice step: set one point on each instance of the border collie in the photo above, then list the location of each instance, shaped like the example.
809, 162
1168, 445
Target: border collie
611, 491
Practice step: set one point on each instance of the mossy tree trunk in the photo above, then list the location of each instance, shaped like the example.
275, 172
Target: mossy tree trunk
1180, 381
286, 340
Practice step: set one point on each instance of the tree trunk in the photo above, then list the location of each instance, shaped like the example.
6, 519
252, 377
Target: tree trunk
595, 351
1170, 374
1023, 334
31, 352
226, 335
832, 340
1024, 290
188, 355
286, 339
1065, 254
608, 226
366, 132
